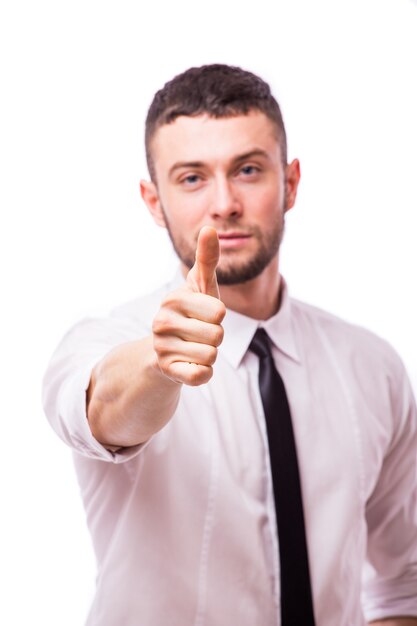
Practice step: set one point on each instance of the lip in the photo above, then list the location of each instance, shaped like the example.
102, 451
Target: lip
233, 239
233, 235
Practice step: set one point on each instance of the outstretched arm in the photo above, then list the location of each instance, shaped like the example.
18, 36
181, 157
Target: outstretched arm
135, 389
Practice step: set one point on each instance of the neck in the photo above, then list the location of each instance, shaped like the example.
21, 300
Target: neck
257, 298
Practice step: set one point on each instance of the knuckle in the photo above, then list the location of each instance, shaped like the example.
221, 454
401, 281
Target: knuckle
194, 380
200, 376
170, 301
174, 300
218, 335
160, 347
219, 312
162, 322
211, 355
158, 323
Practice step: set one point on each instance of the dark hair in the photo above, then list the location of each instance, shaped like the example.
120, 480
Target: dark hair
219, 91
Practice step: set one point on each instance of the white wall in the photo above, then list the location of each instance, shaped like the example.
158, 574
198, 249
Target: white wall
77, 78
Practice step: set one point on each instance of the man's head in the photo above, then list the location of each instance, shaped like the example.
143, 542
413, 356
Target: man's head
218, 91
217, 156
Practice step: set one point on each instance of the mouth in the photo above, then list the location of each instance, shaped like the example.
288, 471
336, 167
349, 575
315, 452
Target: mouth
233, 239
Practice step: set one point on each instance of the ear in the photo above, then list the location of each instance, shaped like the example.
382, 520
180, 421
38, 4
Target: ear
150, 196
292, 179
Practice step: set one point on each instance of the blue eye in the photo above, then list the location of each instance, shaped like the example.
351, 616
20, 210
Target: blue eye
191, 179
249, 169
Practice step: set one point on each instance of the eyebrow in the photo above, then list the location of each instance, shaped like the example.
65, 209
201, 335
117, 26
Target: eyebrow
238, 159
185, 164
249, 155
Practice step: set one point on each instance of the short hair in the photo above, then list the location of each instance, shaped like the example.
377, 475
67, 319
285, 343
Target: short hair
217, 90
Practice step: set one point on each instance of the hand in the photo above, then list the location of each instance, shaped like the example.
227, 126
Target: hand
187, 330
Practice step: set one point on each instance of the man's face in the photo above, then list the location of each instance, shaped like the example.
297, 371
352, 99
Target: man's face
226, 173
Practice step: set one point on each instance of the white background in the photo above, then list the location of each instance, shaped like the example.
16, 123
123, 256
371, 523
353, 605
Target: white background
76, 79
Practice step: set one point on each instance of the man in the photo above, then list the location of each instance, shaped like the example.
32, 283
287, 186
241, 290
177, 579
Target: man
167, 404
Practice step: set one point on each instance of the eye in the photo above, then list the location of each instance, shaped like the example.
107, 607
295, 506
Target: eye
190, 180
249, 170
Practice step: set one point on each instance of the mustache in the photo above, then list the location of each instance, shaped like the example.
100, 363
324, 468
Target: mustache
229, 228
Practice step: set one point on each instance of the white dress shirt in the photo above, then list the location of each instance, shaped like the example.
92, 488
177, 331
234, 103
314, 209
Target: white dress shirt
184, 526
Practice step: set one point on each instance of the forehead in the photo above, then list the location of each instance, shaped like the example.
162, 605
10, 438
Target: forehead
205, 139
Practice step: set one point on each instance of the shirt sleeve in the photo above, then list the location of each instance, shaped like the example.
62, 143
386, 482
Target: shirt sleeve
67, 379
390, 574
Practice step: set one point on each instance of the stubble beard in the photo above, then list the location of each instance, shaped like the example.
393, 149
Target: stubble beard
230, 271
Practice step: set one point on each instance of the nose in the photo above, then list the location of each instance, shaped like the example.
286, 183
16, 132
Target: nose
225, 202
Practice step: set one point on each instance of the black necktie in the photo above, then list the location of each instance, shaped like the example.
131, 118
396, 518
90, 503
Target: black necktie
296, 597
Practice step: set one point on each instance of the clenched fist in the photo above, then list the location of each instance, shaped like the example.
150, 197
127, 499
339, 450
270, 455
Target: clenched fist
187, 329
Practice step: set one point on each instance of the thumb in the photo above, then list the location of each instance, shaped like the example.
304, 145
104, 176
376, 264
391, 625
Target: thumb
203, 273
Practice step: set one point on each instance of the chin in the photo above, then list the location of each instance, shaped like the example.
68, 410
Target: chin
240, 273
237, 276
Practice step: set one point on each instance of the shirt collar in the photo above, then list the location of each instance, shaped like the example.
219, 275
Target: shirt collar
239, 330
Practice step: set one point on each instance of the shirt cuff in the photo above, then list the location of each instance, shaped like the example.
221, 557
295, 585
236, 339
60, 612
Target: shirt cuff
73, 425
391, 597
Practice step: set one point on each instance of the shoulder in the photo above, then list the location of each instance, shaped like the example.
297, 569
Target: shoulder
369, 368
97, 334
348, 339
143, 309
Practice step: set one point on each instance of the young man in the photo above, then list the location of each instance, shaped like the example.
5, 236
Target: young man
198, 512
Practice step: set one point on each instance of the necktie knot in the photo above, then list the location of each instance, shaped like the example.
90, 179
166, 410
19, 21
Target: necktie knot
261, 344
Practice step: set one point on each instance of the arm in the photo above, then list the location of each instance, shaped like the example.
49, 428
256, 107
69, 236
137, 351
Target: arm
129, 398
390, 576
135, 389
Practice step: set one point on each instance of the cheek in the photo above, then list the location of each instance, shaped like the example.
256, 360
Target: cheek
185, 210
265, 201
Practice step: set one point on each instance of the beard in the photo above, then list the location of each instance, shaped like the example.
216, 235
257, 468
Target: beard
230, 270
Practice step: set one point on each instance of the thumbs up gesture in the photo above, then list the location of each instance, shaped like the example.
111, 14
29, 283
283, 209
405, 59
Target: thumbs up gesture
202, 276
187, 329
